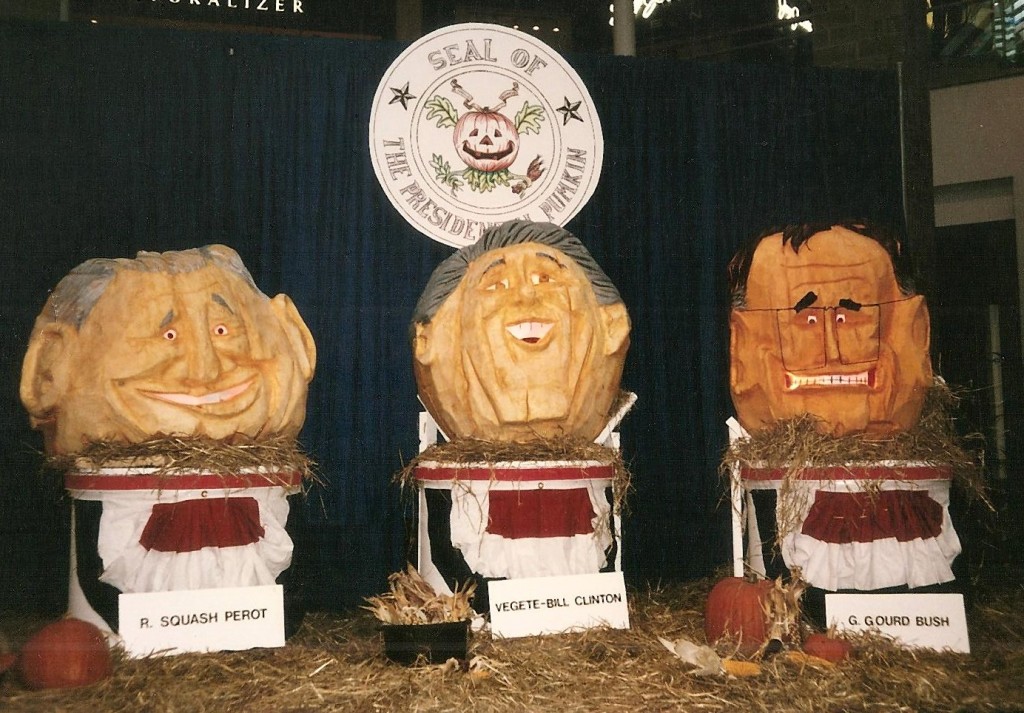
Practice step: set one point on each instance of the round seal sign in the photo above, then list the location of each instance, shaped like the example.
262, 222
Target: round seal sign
476, 124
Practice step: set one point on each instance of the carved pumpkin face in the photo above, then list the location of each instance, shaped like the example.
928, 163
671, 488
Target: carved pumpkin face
486, 140
199, 352
826, 330
522, 350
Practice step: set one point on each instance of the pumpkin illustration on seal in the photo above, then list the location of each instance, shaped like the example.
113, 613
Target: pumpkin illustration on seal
486, 140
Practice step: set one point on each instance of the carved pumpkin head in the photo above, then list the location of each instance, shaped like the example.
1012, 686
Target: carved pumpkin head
177, 343
822, 326
520, 337
486, 140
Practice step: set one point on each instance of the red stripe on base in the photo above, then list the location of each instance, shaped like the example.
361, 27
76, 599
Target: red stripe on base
873, 472
540, 513
78, 480
191, 525
842, 518
573, 472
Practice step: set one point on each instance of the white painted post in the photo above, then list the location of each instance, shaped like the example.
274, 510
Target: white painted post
624, 31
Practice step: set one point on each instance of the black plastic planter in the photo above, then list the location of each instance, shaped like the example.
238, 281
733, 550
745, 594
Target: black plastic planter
436, 643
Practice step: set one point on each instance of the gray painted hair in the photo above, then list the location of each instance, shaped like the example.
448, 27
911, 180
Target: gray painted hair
447, 276
79, 291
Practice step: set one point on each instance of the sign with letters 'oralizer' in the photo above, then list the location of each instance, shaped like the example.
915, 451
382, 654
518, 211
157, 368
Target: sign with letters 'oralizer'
476, 124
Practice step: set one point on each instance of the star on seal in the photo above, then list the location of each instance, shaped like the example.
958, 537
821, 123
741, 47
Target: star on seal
403, 96
569, 111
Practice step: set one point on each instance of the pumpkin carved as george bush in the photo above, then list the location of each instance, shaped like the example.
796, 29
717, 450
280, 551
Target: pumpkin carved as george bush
65, 654
825, 321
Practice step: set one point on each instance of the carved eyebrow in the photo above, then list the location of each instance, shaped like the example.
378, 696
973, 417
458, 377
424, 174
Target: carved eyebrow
805, 301
496, 263
168, 318
552, 258
222, 302
852, 305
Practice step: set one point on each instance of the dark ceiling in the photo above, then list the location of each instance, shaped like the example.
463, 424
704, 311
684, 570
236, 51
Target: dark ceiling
583, 24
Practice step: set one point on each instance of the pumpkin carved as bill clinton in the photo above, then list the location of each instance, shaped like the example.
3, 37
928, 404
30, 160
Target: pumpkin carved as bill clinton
824, 322
520, 337
178, 343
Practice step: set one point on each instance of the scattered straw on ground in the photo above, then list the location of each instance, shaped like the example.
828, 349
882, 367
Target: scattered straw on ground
336, 663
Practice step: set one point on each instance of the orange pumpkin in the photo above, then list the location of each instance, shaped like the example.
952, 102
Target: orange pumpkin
7, 660
486, 140
735, 609
522, 349
823, 325
826, 647
65, 654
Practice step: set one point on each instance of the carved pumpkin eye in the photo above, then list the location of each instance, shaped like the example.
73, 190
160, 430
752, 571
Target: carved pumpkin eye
221, 330
170, 334
495, 286
840, 318
474, 132
539, 278
812, 319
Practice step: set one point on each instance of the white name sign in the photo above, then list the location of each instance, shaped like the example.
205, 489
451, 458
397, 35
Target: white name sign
933, 621
227, 619
551, 605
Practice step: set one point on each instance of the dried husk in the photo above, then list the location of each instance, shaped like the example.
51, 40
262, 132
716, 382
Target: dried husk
411, 600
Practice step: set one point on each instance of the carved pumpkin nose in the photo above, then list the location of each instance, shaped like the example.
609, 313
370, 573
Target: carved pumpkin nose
486, 141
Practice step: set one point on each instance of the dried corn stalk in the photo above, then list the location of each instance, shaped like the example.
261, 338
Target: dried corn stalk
411, 600
781, 607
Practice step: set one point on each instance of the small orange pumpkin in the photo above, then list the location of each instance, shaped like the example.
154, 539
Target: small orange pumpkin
7, 660
735, 609
65, 654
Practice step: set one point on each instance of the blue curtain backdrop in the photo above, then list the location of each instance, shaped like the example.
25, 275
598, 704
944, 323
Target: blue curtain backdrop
119, 140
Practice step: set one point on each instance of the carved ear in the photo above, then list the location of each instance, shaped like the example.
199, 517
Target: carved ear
616, 327
298, 334
740, 336
423, 343
910, 326
921, 327
45, 372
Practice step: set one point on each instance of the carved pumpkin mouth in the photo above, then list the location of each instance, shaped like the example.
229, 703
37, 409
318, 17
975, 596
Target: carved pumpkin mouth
204, 399
530, 332
485, 155
830, 381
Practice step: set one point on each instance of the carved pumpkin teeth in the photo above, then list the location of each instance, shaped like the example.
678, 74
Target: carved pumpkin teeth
529, 332
861, 378
212, 397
